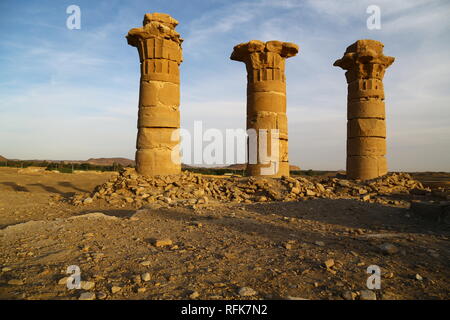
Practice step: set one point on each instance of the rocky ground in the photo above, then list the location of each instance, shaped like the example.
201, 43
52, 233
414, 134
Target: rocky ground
204, 237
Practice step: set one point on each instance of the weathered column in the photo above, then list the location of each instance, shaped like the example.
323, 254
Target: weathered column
159, 47
366, 126
266, 98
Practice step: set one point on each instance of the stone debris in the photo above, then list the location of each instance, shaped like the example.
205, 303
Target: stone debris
367, 295
161, 242
15, 282
87, 296
87, 285
115, 289
388, 248
146, 276
193, 190
246, 292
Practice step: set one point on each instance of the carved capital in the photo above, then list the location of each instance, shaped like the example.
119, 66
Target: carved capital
264, 60
364, 60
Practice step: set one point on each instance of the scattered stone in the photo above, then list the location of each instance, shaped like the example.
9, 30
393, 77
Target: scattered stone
146, 263
6, 269
115, 289
246, 292
15, 282
349, 295
295, 298
101, 295
418, 277
87, 296
319, 243
161, 242
141, 290
329, 263
194, 295
367, 295
88, 200
388, 248
87, 285
146, 277
63, 281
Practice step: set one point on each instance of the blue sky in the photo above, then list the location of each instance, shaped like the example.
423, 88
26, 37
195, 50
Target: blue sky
73, 94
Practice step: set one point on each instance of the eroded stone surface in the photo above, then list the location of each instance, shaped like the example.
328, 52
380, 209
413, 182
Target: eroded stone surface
366, 128
160, 54
266, 98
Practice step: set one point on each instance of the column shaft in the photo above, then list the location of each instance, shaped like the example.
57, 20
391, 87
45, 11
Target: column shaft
159, 47
266, 100
366, 126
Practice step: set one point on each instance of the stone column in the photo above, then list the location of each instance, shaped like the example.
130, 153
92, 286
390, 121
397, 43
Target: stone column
266, 97
159, 47
366, 126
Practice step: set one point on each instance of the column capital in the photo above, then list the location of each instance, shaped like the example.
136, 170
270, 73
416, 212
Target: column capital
364, 59
155, 25
263, 54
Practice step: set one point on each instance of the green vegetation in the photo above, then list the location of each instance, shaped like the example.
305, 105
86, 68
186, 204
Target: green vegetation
62, 167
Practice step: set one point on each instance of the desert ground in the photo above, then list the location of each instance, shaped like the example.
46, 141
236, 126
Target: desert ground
300, 247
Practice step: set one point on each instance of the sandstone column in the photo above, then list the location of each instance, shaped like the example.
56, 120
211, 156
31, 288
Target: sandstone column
366, 126
266, 97
159, 47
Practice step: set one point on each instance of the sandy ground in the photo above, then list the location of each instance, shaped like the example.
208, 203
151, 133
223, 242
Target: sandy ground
314, 249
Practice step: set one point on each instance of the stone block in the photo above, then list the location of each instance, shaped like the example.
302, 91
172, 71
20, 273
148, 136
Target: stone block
366, 146
366, 167
151, 162
366, 128
162, 138
159, 93
372, 108
266, 101
159, 117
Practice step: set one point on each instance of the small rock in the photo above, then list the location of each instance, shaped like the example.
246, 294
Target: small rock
141, 290
162, 242
367, 295
15, 282
329, 263
388, 248
63, 280
101, 295
295, 298
146, 263
349, 295
6, 269
295, 190
418, 277
246, 292
194, 295
115, 289
87, 285
319, 243
87, 296
145, 276
88, 200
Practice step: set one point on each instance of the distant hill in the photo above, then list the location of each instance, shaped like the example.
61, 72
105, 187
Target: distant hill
110, 161
241, 166
3, 159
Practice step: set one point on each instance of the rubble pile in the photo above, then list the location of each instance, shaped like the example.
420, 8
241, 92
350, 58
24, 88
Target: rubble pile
188, 189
